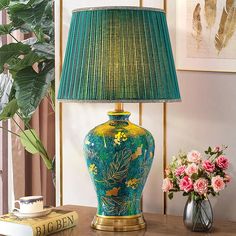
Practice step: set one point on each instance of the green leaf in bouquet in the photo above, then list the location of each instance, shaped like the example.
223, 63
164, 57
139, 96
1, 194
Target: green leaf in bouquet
194, 176
196, 197
9, 110
213, 194
219, 154
170, 195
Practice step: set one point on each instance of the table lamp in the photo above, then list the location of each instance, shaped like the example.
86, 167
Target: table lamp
118, 54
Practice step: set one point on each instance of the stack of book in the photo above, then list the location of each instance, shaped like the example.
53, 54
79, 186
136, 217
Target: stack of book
57, 220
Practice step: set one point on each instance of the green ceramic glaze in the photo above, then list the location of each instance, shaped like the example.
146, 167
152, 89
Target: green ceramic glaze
119, 156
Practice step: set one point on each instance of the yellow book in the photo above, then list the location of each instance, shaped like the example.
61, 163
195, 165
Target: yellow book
57, 220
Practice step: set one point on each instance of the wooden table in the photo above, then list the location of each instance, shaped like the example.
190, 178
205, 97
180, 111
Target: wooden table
157, 225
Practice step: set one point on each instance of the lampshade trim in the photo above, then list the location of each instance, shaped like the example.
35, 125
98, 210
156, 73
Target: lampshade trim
118, 8
115, 101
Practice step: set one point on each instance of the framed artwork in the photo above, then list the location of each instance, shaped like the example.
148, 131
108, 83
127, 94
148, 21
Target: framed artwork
206, 35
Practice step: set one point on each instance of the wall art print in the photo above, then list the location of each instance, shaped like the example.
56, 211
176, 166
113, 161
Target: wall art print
206, 35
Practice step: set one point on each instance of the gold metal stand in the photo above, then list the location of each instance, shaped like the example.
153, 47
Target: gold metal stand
119, 107
119, 223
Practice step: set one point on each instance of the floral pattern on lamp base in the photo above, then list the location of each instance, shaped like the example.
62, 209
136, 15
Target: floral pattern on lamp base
119, 156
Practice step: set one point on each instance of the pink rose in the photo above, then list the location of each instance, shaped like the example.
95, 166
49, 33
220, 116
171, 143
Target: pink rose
208, 166
167, 185
186, 184
218, 183
191, 169
227, 178
222, 162
194, 156
180, 171
201, 186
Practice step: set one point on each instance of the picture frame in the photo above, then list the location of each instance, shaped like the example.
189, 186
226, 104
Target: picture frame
206, 35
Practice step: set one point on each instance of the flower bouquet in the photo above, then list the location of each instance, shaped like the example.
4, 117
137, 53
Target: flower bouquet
197, 177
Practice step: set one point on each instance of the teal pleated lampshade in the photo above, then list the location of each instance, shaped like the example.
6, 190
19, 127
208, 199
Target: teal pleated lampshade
118, 54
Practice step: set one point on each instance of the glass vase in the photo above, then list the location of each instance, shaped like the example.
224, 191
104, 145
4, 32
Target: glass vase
198, 215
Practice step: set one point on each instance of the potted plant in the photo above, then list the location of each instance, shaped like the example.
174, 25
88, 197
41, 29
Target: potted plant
31, 65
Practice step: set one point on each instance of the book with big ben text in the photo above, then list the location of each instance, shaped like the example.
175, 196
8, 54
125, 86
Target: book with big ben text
56, 221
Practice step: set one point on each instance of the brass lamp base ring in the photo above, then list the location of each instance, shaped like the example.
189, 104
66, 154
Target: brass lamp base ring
118, 223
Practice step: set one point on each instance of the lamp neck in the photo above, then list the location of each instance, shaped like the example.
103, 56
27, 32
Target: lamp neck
119, 116
119, 107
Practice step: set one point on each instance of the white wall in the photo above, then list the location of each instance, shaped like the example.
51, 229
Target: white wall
207, 116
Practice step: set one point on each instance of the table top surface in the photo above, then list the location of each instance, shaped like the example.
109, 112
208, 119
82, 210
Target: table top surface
156, 225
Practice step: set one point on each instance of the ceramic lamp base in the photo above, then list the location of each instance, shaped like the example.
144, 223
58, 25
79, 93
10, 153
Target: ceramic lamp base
119, 155
119, 223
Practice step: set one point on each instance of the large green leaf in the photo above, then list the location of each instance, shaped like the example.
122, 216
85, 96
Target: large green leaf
9, 110
48, 67
12, 50
38, 31
6, 29
4, 4
47, 23
50, 76
29, 60
34, 16
29, 13
33, 145
29, 141
52, 94
12, 93
35, 2
45, 50
12, 62
31, 87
